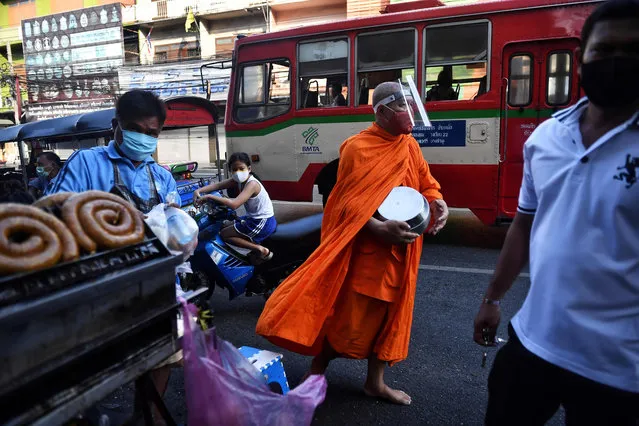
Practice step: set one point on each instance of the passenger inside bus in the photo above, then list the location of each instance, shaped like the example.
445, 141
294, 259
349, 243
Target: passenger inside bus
322, 92
336, 95
443, 91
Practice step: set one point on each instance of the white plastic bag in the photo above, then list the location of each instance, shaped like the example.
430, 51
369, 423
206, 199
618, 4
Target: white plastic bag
174, 228
156, 220
183, 231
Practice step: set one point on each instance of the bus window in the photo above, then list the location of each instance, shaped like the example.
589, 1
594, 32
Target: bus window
456, 61
520, 80
383, 57
264, 91
558, 78
323, 73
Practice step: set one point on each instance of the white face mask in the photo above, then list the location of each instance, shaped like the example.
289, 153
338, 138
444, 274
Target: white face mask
240, 177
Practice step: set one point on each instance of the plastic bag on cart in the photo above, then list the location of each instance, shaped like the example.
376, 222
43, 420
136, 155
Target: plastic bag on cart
156, 220
174, 228
183, 231
224, 388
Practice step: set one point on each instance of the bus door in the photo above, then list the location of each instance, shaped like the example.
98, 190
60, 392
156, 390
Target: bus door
538, 78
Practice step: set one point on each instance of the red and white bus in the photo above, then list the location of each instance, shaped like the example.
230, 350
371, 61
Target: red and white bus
511, 63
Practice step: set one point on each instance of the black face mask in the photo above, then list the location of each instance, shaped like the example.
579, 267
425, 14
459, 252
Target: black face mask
611, 82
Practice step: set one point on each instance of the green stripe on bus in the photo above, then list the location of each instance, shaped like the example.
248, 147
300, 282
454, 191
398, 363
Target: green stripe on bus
530, 113
434, 115
302, 120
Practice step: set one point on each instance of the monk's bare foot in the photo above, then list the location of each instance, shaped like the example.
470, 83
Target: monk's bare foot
393, 395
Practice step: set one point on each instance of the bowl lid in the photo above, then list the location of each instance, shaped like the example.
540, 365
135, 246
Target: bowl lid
403, 203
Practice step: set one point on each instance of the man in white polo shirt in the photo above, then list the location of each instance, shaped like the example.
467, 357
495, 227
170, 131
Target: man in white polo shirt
575, 341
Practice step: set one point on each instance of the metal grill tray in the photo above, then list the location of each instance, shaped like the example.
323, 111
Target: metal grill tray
70, 309
30, 285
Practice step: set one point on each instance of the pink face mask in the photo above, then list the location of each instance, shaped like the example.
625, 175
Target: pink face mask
399, 122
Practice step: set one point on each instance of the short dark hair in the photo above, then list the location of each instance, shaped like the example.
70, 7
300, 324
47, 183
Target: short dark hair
136, 104
51, 156
445, 78
337, 87
607, 11
242, 157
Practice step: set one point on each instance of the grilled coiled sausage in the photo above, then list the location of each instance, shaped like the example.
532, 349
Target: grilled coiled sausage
100, 220
53, 201
32, 239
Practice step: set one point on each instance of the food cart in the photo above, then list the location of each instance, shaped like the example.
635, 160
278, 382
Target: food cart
73, 333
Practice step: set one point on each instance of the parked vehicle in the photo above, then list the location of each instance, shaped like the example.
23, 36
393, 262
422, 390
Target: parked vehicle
218, 264
488, 73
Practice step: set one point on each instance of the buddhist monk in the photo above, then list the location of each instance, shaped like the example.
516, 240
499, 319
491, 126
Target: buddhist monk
354, 296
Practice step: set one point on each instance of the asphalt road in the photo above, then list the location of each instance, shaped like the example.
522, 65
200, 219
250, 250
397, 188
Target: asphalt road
443, 371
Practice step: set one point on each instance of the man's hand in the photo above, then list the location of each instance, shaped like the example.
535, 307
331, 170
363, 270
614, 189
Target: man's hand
394, 232
486, 323
439, 210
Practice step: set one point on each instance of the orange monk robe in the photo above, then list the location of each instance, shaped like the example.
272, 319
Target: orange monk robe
310, 305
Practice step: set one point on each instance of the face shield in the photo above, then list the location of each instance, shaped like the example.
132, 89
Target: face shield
408, 96
419, 112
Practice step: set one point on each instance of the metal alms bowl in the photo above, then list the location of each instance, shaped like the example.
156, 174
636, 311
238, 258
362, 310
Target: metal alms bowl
407, 205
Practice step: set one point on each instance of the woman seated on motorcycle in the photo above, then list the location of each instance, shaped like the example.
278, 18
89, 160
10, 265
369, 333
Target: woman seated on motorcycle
259, 223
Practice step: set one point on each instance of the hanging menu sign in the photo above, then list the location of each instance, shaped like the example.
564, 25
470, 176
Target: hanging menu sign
73, 57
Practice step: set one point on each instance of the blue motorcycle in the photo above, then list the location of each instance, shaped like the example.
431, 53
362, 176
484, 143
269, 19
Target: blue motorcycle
218, 264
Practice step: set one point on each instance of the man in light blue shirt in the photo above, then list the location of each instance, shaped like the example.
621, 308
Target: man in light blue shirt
125, 166
575, 341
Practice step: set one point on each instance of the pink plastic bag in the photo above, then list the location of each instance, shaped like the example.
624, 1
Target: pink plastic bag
223, 388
